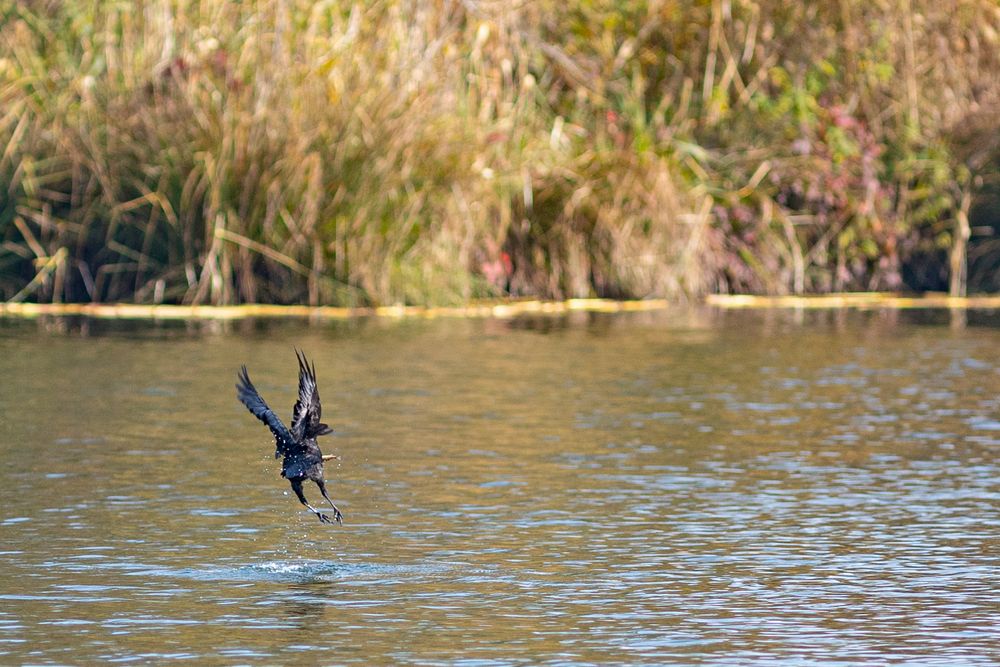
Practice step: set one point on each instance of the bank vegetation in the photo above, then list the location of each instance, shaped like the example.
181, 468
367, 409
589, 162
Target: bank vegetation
417, 152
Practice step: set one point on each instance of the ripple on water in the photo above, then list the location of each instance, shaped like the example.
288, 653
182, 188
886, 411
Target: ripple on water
274, 571
305, 571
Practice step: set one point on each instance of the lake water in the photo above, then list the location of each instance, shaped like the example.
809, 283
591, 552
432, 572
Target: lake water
694, 487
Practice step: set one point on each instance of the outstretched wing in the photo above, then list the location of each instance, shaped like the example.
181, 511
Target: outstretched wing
307, 410
284, 443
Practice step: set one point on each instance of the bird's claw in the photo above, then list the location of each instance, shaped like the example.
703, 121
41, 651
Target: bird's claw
336, 516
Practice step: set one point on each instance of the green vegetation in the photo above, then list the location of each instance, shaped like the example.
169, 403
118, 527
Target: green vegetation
213, 151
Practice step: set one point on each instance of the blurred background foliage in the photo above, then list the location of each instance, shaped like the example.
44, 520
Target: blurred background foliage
437, 151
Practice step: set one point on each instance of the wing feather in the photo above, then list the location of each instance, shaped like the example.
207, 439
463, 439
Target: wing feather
284, 443
307, 411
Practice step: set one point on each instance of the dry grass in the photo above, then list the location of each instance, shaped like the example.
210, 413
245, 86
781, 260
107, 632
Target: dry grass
216, 152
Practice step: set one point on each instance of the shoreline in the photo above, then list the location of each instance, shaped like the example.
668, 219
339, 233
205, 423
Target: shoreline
499, 309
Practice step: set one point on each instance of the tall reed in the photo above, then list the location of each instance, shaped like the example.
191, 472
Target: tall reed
211, 151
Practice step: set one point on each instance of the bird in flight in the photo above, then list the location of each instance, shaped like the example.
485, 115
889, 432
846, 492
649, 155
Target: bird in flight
302, 457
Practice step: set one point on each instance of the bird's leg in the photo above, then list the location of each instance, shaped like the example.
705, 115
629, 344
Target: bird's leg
297, 488
336, 512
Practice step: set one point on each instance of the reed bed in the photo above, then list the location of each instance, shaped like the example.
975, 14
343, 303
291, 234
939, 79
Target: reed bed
212, 152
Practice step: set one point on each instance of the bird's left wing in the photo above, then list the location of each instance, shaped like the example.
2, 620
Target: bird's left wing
307, 410
284, 443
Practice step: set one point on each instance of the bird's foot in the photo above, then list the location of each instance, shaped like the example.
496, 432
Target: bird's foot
339, 517
325, 519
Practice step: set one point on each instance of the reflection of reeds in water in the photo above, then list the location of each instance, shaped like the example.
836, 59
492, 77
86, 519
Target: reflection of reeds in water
295, 152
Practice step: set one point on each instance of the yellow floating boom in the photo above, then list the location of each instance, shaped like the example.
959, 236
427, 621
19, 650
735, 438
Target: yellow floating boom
505, 309
498, 309
860, 300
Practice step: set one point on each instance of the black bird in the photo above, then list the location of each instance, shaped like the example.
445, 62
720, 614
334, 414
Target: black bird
303, 458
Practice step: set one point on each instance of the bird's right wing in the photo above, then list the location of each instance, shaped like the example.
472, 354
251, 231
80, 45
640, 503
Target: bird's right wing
283, 442
307, 411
